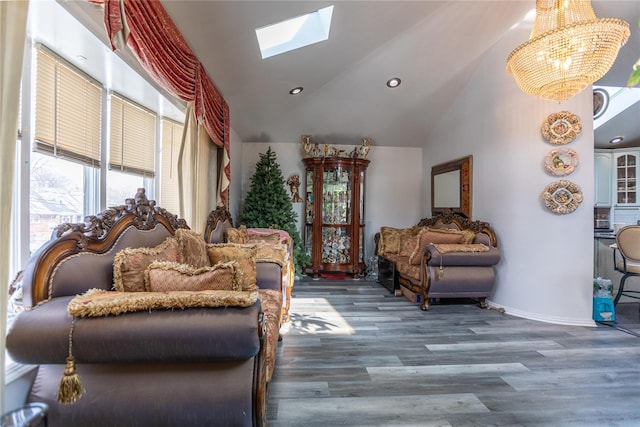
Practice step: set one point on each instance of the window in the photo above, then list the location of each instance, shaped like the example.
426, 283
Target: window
132, 141
171, 141
68, 111
56, 196
67, 137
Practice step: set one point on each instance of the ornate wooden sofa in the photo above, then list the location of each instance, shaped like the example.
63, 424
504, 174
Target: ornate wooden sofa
185, 357
446, 256
271, 273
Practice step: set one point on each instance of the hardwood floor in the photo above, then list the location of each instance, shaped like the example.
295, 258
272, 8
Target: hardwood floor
355, 355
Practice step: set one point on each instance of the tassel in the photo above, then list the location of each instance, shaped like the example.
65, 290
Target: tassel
70, 390
440, 270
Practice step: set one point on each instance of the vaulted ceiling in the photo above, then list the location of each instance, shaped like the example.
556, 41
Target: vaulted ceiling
433, 46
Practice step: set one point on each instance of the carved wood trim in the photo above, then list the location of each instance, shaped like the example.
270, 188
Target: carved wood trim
216, 216
462, 223
96, 235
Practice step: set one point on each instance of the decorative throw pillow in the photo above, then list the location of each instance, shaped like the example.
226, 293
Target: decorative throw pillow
468, 238
408, 244
164, 276
266, 252
193, 248
389, 240
434, 235
244, 255
236, 235
98, 302
273, 238
129, 264
445, 248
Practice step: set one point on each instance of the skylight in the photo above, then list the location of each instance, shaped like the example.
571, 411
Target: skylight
295, 33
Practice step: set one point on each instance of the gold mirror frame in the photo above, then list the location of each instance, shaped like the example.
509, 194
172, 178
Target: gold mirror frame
451, 187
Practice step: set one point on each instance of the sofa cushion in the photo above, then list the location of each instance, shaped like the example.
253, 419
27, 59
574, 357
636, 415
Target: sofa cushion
243, 254
162, 276
129, 264
435, 235
193, 248
389, 242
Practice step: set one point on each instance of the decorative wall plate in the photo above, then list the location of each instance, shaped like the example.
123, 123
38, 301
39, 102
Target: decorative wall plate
561, 128
561, 161
562, 197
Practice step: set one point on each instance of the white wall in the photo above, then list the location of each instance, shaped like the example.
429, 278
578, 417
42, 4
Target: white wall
392, 189
547, 259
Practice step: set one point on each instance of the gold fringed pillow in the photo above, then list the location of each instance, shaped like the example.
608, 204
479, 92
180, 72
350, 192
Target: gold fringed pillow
389, 240
445, 248
244, 255
273, 238
431, 236
193, 248
130, 264
98, 302
237, 235
172, 276
278, 254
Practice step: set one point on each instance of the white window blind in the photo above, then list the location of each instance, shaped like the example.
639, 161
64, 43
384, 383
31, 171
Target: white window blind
132, 138
169, 189
68, 111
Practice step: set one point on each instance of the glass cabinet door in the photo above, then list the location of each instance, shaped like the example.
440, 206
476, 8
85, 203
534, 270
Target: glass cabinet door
626, 180
336, 245
336, 194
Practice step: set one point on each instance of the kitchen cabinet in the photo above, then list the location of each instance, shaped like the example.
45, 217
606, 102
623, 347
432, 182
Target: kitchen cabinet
603, 178
625, 177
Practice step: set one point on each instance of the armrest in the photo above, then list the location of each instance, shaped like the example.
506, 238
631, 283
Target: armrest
435, 258
41, 335
268, 275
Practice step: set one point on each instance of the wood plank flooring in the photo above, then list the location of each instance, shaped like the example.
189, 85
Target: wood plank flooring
355, 355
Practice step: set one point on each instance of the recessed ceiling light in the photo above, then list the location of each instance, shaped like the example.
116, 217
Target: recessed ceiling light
393, 82
616, 139
296, 90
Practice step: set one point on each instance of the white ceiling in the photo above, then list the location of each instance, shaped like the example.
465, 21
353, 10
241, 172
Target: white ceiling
433, 46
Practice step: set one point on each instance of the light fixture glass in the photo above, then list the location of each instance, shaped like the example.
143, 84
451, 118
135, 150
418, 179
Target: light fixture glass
394, 82
616, 140
568, 50
296, 90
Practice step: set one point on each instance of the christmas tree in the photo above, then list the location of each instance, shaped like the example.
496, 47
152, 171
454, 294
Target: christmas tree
268, 205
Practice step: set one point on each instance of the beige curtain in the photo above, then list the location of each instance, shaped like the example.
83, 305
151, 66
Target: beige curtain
13, 25
193, 164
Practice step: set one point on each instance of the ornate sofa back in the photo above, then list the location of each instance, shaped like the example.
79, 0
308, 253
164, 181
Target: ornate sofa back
80, 256
484, 232
218, 222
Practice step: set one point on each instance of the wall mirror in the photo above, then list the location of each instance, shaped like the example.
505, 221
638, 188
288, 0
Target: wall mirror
451, 187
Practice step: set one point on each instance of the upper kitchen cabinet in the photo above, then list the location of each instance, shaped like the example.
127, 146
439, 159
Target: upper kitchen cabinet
625, 175
603, 176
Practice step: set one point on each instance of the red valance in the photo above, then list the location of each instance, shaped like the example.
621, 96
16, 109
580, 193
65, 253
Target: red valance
149, 32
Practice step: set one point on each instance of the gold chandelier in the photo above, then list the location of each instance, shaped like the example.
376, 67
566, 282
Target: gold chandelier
568, 50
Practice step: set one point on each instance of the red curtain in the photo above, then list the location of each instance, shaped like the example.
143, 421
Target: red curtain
149, 32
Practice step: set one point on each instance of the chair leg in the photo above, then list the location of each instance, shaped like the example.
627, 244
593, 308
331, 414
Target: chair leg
620, 289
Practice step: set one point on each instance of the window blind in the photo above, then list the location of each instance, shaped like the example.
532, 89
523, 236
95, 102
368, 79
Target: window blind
68, 111
169, 189
132, 138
